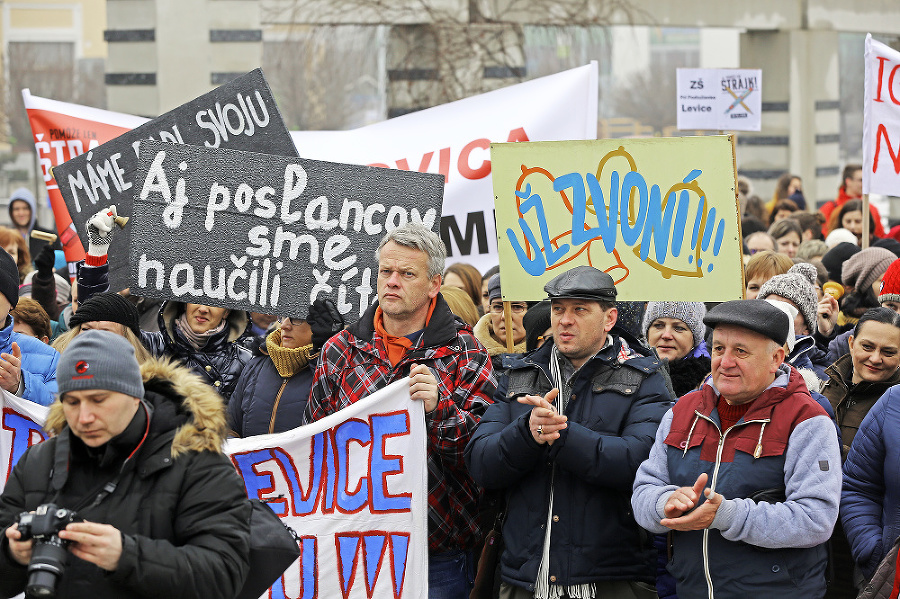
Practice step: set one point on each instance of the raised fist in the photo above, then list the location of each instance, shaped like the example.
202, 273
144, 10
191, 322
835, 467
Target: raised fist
45, 261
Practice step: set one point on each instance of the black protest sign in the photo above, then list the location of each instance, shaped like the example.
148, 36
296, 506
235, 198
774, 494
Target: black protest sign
240, 114
267, 233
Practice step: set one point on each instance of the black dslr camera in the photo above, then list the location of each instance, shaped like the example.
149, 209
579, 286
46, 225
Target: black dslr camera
48, 557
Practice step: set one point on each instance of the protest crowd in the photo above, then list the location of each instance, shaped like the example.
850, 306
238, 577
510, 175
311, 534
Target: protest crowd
604, 448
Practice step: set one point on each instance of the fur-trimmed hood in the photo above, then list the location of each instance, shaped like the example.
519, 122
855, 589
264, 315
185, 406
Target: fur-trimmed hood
484, 332
180, 400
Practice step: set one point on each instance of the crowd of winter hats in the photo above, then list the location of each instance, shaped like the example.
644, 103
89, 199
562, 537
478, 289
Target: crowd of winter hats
865, 267
859, 268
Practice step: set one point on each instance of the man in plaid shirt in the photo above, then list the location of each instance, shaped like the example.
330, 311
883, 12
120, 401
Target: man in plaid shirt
411, 332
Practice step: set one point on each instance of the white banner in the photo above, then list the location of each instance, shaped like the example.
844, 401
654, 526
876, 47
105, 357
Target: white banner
452, 139
455, 139
21, 426
881, 120
353, 486
719, 99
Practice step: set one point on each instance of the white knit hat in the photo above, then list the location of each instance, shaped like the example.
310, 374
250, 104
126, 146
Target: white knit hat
839, 236
791, 311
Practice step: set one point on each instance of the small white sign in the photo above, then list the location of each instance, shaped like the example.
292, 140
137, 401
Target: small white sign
719, 99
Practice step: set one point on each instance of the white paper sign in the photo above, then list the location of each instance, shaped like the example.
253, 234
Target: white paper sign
719, 99
354, 487
454, 140
881, 120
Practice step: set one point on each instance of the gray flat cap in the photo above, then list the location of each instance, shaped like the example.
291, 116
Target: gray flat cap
756, 315
582, 282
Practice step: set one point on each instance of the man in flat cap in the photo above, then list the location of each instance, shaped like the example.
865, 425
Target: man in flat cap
570, 425
745, 472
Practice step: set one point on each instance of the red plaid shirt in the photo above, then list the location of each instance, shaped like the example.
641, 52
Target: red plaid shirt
354, 364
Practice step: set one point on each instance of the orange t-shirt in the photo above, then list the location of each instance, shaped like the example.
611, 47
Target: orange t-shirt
397, 347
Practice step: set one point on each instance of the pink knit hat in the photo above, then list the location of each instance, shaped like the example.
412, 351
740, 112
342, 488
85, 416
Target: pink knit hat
864, 268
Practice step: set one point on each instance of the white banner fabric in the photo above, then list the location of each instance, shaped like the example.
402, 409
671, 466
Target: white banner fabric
881, 120
20, 428
454, 140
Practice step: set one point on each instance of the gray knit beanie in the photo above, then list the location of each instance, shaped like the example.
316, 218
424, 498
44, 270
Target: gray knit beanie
99, 360
798, 284
494, 291
690, 313
864, 268
9, 278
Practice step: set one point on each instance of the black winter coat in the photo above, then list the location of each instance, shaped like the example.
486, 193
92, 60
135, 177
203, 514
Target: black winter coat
180, 504
219, 363
614, 412
264, 402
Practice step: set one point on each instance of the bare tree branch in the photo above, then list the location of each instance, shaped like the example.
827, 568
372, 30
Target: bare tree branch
437, 50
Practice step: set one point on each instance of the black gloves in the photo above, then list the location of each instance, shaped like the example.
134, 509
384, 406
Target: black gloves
324, 321
45, 261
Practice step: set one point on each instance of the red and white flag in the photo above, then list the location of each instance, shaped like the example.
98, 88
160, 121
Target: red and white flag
61, 132
881, 120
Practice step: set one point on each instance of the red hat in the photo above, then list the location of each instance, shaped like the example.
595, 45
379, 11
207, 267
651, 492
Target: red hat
890, 284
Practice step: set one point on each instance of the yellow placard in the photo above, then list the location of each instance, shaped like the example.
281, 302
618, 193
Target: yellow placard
660, 215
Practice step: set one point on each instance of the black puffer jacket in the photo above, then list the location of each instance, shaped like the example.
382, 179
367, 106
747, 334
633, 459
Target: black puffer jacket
688, 373
180, 505
219, 363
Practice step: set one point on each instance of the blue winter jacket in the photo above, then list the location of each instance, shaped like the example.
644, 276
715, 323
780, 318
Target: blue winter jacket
264, 402
807, 355
38, 364
839, 347
614, 410
870, 501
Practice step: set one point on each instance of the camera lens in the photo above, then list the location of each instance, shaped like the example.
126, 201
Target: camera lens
48, 561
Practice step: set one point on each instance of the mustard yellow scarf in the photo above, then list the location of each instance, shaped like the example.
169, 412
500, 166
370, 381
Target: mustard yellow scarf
287, 361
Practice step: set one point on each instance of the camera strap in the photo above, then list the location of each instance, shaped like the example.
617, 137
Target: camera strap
108, 488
